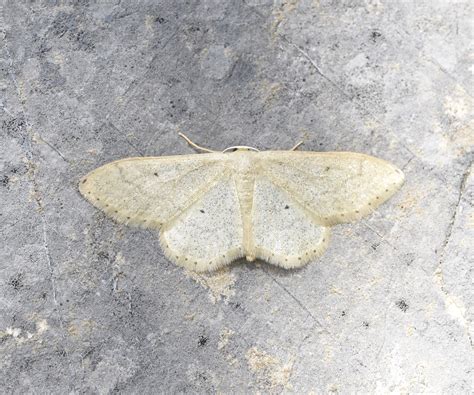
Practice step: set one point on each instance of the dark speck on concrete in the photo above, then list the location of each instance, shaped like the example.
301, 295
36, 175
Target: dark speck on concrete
375, 35
202, 341
4, 180
402, 305
16, 282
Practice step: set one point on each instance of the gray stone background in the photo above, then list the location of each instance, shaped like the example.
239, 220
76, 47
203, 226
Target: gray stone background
90, 306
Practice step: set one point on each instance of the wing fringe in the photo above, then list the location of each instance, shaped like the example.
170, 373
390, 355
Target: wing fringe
296, 261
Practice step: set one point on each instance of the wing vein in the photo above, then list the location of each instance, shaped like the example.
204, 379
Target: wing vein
306, 174
295, 196
176, 179
194, 198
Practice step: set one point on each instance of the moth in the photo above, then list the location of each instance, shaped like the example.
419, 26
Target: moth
215, 207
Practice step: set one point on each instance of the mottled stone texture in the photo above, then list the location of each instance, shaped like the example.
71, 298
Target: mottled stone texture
91, 306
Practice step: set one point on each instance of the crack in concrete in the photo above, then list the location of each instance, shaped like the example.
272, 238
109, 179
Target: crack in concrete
359, 107
443, 70
449, 230
26, 146
6, 110
298, 302
44, 224
25, 141
407, 37
139, 80
54, 149
316, 67
442, 253
27, 149
381, 236
316, 322
364, 111
135, 148
407, 163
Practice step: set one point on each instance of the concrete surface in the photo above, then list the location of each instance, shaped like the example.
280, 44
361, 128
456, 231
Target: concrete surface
88, 306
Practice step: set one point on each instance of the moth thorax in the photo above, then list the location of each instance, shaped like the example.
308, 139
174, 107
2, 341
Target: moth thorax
244, 163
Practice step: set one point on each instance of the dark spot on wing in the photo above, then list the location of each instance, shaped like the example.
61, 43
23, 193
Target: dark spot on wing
155, 174
84, 180
287, 207
202, 211
366, 324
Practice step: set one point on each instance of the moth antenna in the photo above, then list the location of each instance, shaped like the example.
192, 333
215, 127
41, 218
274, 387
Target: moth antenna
194, 145
297, 145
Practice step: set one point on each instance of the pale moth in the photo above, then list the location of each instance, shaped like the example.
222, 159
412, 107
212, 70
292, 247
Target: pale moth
216, 207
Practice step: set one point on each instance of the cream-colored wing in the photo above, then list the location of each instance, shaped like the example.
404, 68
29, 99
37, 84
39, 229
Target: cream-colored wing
334, 186
209, 234
285, 233
150, 191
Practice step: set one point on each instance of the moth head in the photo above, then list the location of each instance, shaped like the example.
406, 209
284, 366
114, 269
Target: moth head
240, 148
